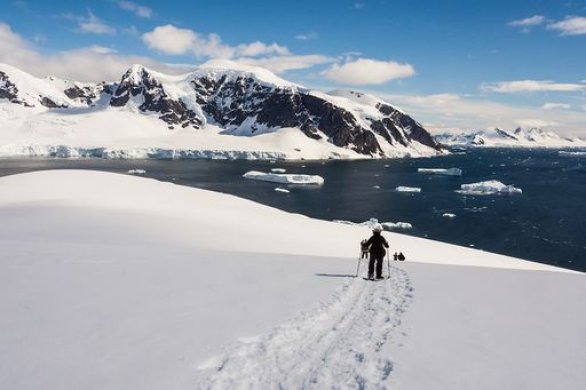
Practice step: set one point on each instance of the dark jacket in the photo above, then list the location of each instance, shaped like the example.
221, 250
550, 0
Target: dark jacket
377, 245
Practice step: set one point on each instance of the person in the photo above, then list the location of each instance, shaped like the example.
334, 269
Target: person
377, 244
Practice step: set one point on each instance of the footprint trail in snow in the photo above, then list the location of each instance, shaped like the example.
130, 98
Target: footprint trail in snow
337, 345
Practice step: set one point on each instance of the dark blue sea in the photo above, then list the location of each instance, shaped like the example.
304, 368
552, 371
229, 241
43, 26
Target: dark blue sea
546, 223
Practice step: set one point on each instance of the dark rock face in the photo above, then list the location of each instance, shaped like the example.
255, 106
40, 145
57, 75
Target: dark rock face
9, 91
141, 82
87, 95
230, 103
45, 101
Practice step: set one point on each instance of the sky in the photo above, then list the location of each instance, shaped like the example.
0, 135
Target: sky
454, 65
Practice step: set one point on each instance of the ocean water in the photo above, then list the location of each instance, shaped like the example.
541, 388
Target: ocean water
546, 223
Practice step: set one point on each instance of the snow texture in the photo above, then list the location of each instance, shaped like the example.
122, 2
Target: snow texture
111, 281
489, 187
285, 178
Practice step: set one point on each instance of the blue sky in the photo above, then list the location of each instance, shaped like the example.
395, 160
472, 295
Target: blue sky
453, 64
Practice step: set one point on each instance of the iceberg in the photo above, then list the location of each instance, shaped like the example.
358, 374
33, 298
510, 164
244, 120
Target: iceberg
441, 171
136, 171
407, 189
278, 170
448, 215
489, 187
396, 225
279, 189
284, 178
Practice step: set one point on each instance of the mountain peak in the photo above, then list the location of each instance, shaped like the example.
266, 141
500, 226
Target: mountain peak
236, 69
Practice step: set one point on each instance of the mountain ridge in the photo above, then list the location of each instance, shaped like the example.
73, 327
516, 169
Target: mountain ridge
239, 100
497, 137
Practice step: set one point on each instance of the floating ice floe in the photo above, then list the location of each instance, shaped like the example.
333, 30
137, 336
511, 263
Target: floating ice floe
136, 171
376, 187
489, 187
407, 189
372, 222
279, 189
572, 154
396, 225
278, 170
441, 171
448, 215
284, 178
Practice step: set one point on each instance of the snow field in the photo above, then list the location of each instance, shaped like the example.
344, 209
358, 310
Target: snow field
107, 286
338, 345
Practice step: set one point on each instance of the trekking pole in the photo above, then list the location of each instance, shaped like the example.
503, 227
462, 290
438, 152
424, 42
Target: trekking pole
388, 265
359, 261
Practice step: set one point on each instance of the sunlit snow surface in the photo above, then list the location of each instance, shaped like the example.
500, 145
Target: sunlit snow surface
104, 285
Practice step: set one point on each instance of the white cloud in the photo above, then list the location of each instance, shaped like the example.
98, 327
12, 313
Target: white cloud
280, 64
102, 50
556, 106
169, 39
539, 123
571, 25
527, 23
172, 40
94, 63
307, 36
139, 10
258, 48
531, 86
364, 71
91, 24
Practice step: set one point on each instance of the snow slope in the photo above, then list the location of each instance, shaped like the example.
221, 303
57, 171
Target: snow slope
520, 137
117, 281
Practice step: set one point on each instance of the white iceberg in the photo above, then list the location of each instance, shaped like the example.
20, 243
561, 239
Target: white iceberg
448, 215
407, 189
278, 170
279, 189
284, 178
396, 225
441, 171
489, 187
136, 171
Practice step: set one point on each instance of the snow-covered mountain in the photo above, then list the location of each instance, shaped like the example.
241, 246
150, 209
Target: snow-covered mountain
196, 111
533, 137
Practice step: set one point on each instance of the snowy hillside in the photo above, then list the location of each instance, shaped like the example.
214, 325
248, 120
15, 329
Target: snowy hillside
520, 137
103, 285
220, 110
